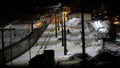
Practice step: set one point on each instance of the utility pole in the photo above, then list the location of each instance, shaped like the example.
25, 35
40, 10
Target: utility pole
58, 22
3, 46
61, 22
31, 25
62, 35
55, 26
83, 33
65, 45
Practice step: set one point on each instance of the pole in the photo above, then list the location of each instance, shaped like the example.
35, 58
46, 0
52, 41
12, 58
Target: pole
3, 51
65, 46
58, 22
55, 26
11, 48
31, 25
61, 22
3, 46
83, 32
62, 35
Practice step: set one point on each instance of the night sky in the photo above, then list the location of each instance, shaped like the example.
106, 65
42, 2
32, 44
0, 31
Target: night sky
11, 8
14, 5
17, 6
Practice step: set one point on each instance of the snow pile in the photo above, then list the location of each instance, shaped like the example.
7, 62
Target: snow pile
93, 50
74, 21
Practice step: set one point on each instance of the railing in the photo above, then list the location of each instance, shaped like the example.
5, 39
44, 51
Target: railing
23, 45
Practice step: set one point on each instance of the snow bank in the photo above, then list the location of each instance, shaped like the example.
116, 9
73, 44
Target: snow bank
73, 21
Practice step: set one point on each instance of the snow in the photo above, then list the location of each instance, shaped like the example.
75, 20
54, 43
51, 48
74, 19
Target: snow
73, 38
73, 22
93, 50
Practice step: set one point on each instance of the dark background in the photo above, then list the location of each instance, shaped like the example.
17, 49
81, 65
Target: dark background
12, 9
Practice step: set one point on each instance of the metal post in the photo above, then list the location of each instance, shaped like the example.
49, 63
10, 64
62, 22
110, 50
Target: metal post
58, 22
3, 46
55, 26
62, 35
65, 46
3, 51
11, 47
83, 33
31, 25
61, 22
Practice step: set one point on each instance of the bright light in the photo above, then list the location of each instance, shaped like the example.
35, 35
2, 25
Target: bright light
64, 16
106, 17
37, 24
66, 11
116, 22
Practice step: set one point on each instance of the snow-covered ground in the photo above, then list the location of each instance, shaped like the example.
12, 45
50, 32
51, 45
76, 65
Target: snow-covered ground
48, 41
19, 32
